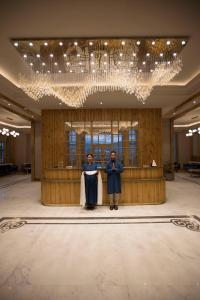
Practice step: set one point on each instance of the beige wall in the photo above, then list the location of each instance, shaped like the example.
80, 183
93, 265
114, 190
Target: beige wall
196, 146
166, 141
22, 149
37, 149
188, 148
183, 148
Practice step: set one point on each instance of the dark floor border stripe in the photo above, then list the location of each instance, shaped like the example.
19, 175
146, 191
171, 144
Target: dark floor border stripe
97, 223
187, 221
101, 218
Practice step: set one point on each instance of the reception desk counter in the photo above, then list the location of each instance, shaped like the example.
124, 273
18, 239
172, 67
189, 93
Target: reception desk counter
61, 186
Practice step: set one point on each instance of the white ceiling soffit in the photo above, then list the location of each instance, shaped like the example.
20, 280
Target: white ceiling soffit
39, 19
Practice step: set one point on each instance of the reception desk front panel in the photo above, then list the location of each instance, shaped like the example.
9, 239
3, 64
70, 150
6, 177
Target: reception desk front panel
139, 186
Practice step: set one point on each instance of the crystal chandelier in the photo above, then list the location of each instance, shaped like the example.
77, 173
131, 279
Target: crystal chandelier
71, 70
192, 131
7, 132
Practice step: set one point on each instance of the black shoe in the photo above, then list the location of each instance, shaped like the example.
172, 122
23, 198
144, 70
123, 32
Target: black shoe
111, 207
116, 207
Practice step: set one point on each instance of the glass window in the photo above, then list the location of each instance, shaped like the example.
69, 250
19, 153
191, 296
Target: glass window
100, 138
1, 152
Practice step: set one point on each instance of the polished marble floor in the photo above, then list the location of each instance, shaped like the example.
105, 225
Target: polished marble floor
139, 252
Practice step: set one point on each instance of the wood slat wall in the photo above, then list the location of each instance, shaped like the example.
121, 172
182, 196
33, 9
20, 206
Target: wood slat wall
53, 131
139, 186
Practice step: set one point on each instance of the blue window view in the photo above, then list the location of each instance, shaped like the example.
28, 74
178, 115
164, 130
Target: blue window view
132, 147
72, 147
1, 152
101, 142
88, 140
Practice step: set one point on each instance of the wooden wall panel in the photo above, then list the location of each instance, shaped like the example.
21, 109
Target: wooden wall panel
139, 185
149, 131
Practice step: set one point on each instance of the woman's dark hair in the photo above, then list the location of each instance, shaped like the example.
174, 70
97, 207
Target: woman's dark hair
90, 155
113, 151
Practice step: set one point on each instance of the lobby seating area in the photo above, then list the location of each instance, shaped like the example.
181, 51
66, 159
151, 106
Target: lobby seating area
7, 169
193, 168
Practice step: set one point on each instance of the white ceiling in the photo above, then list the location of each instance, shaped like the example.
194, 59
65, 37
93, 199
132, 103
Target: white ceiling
61, 18
11, 118
189, 118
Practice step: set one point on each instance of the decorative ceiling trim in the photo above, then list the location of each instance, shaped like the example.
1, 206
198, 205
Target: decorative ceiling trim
31, 115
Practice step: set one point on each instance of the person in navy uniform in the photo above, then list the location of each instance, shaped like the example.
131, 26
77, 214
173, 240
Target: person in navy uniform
91, 182
113, 170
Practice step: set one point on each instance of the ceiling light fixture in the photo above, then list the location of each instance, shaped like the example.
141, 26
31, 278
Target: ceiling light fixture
7, 132
93, 73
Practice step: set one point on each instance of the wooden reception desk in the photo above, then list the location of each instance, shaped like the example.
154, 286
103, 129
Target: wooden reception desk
61, 186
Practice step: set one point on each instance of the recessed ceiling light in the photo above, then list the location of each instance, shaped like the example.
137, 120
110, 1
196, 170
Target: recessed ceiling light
105, 54
93, 71
75, 44
60, 43
82, 71
31, 64
43, 63
92, 54
101, 102
65, 55
25, 55
153, 42
78, 55
59, 71
174, 54
134, 54
55, 63
90, 43
169, 62
106, 43
121, 54
119, 62
148, 54
138, 43
105, 63
144, 62
80, 63
156, 62
161, 54
140, 70
48, 71
131, 63
183, 42
168, 43
38, 55
51, 55
37, 72
68, 63
70, 71
151, 70
123, 43
46, 44
16, 44
30, 44
92, 63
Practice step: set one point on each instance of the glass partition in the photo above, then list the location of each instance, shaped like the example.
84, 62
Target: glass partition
99, 138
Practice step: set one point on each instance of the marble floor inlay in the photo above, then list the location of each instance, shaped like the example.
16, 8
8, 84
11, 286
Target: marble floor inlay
189, 222
143, 252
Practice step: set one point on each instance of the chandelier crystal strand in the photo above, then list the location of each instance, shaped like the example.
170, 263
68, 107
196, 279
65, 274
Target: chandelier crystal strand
81, 70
